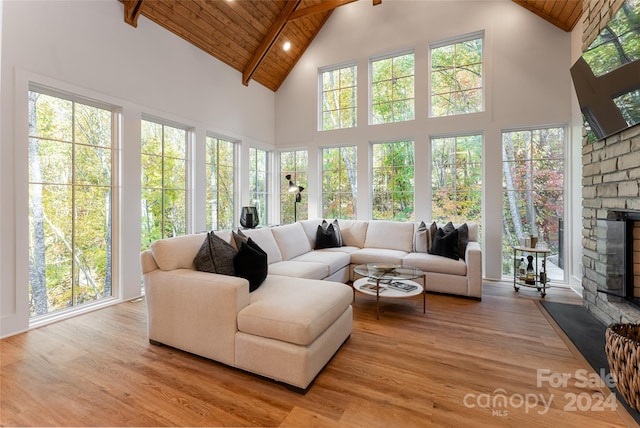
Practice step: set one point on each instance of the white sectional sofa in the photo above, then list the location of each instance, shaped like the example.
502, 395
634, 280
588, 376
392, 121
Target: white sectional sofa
291, 326
290, 251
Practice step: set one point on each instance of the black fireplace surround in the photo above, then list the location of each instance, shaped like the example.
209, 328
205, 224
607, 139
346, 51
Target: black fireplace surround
615, 252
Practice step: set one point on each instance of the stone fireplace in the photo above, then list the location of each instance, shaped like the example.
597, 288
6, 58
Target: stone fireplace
610, 207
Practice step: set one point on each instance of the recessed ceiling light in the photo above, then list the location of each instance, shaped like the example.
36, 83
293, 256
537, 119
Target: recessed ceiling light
287, 46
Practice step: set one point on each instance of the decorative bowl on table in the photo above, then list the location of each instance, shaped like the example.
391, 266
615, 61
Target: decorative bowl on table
382, 268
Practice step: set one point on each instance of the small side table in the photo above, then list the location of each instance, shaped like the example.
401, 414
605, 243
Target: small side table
540, 277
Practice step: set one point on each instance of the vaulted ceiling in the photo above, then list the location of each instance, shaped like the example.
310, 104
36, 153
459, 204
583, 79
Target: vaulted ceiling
249, 35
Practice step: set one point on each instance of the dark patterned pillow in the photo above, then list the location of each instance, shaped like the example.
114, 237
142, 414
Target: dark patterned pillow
326, 236
445, 244
432, 233
215, 256
463, 240
251, 264
238, 238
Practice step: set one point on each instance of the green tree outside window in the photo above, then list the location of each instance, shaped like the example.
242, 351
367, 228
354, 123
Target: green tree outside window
339, 191
393, 181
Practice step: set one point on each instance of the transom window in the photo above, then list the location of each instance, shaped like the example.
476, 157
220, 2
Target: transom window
456, 178
164, 178
339, 190
220, 166
258, 182
456, 77
393, 181
71, 167
339, 98
294, 163
392, 89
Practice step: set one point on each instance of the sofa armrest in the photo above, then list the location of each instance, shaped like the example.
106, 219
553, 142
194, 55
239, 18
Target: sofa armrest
195, 311
473, 259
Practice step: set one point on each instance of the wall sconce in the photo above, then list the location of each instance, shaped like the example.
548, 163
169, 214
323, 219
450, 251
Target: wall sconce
297, 190
249, 217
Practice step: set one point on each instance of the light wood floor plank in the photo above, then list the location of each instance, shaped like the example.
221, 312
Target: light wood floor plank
406, 369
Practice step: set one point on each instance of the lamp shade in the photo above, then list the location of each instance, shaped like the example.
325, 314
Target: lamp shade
249, 217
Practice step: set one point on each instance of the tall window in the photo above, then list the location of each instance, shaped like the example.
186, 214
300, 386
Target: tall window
258, 183
294, 163
339, 98
393, 181
392, 89
456, 77
339, 191
456, 178
533, 183
70, 202
164, 189
220, 183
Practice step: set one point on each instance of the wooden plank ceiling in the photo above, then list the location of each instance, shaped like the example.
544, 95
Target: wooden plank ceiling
249, 35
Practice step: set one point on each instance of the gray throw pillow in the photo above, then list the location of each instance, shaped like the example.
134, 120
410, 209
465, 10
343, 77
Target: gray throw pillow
336, 230
421, 238
239, 238
215, 256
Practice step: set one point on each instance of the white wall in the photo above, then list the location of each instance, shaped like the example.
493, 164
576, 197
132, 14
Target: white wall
85, 47
527, 83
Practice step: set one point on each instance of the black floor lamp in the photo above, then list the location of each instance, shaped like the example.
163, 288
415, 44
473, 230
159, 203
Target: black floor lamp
294, 188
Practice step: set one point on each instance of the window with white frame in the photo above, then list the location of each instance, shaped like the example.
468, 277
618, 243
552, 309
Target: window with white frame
71, 197
339, 190
457, 76
220, 170
294, 163
392, 88
259, 182
164, 181
456, 178
393, 181
533, 183
338, 97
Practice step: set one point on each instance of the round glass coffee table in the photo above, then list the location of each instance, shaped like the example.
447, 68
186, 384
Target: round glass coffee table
391, 281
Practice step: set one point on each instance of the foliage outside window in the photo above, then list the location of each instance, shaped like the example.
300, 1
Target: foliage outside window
294, 163
456, 78
164, 190
339, 191
258, 182
393, 181
220, 183
339, 98
619, 41
456, 178
392, 89
533, 183
70, 203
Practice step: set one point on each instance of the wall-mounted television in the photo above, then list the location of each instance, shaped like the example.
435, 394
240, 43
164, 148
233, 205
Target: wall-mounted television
607, 75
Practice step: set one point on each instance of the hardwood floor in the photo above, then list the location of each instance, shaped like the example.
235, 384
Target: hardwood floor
448, 367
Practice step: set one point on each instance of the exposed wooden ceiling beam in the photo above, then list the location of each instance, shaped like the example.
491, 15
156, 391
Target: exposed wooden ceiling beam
319, 7
267, 42
132, 9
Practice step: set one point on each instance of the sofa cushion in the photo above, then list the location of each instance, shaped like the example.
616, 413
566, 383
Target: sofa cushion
445, 244
390, 234
311, 270
293, 310
377, 255
177, 252
292, 240
354, 232
264, 238
334, 259
251, 264
215, 256
435, 264
310, 228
